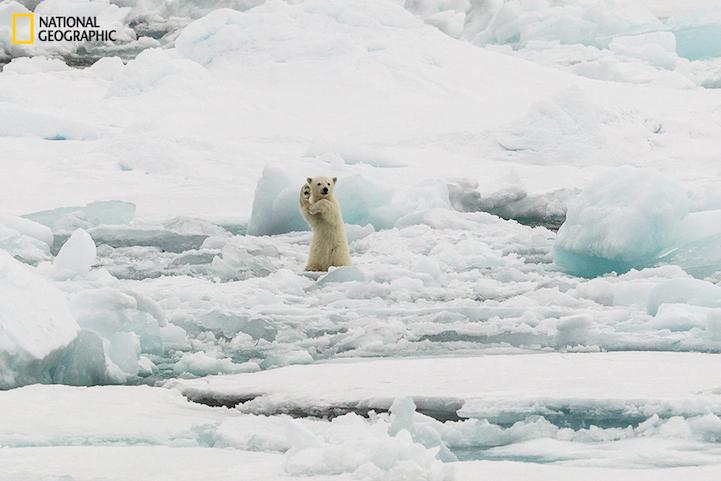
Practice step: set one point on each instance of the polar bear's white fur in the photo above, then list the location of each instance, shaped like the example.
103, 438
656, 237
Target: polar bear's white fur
321, 210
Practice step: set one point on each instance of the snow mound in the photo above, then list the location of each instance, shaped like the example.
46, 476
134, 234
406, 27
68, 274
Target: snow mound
76, 256
657, 48
36, 325
178, 10
35, 65
518, 23
600, 39
622, 220
351, 154
21, 122
373, 451
220, 32
155, 69
225, 34
570, 125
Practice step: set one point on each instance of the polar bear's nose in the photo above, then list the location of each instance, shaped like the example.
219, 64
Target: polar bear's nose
324, 190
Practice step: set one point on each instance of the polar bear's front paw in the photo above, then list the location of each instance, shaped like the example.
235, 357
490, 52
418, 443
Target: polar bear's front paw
305, 196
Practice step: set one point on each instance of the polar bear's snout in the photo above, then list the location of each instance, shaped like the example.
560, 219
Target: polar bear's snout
324, 191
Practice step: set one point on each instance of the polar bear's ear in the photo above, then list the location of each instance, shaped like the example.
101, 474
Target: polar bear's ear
309, 180
335, 179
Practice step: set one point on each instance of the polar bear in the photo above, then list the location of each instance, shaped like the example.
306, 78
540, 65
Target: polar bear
321, 210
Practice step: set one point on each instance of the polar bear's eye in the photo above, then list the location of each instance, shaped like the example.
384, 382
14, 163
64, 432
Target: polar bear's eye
318, 183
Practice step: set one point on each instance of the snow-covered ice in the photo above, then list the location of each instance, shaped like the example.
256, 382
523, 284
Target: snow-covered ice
37, 325
530, 194
622, 220
67, 429
24, 239
132, 416
77, 255
504, 388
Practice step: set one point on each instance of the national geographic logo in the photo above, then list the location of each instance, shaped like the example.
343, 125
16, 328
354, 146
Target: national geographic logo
58, 29
18, 21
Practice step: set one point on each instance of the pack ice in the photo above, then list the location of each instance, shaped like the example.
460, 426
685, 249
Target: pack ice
469, 340
38, 331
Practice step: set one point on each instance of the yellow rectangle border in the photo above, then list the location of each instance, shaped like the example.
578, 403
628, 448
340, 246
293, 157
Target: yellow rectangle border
29, 41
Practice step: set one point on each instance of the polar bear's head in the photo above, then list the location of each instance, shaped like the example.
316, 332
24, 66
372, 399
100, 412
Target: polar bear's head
321, 187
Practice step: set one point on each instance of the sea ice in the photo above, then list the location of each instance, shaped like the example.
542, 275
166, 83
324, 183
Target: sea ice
518, 23
500, 388
35, 65
275, 204
129, 324
24, 122
622, 220
658, 48
698, 247
156, 69
66, 219
699, 39
25, 239
123, 416
76, 256
36, 325
432, 135
201, 364
694, 292
342, 274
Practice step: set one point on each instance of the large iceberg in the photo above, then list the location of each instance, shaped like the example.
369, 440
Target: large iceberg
634, 218
624, 219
